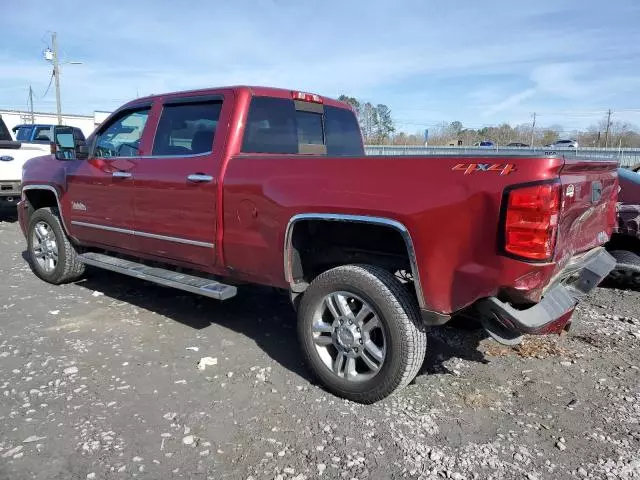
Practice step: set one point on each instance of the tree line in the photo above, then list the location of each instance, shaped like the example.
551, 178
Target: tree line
375, 120
379, 128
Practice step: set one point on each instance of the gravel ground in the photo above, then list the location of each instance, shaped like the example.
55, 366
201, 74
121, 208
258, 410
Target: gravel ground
105, 379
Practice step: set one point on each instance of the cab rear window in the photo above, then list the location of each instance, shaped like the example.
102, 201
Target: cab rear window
274, 125
4, 131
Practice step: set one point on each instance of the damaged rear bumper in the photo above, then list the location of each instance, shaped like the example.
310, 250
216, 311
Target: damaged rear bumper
553, 312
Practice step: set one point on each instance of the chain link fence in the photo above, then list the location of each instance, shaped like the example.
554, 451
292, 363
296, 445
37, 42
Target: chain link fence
626, 157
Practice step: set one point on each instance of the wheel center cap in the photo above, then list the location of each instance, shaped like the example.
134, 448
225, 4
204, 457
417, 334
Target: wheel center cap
347, 336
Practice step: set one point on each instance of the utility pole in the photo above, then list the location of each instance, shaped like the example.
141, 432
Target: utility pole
33, 118
56, 74
533, 128
606, 133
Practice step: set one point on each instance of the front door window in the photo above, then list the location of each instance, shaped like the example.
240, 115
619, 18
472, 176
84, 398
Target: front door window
122, 137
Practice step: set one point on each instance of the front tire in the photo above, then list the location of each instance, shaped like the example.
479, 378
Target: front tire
52, 256
361, 332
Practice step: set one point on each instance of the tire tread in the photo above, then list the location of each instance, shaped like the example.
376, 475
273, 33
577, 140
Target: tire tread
73, 268
406, 314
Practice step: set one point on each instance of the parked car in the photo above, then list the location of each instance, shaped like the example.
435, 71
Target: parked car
40, 133
625, 242
485, 143
251, 184
563, 144
13, 156
518, 144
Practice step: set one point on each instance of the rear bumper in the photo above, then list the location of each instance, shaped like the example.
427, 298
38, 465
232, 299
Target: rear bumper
553, 312
9, 200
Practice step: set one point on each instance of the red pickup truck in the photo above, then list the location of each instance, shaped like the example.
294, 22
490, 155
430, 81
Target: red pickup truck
204, 190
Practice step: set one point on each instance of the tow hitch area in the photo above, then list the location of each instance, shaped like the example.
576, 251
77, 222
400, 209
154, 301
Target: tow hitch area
552, 314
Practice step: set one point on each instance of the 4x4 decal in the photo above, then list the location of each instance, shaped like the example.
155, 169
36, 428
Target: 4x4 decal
468, 168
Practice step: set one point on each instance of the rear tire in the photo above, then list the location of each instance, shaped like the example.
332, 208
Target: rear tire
51, 255
626, 273
359, 354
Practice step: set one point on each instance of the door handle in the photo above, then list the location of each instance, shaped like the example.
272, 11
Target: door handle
120, 174
199, 178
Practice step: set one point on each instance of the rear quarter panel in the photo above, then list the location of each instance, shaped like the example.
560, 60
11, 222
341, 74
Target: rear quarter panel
451, 214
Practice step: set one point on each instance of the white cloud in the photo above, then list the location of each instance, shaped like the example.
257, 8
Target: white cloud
429, 61
511, 101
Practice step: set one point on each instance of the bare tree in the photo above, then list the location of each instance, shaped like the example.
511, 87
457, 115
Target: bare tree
378, 127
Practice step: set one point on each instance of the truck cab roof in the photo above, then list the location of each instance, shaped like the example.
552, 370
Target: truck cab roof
257, 91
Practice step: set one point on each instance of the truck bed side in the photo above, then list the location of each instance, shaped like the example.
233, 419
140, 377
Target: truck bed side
452, 214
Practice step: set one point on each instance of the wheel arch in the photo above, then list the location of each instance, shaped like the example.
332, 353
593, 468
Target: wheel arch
292, 260
40, 196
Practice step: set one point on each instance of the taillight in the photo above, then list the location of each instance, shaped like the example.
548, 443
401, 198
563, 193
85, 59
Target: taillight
531, 221
306, 97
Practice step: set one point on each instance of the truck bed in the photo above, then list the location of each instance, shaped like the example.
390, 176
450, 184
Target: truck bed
451, 206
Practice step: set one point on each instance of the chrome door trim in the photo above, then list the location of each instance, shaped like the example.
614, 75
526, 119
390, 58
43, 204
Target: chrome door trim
186, 155
55, 193
102, 227
137, 233
333, 217
174, 239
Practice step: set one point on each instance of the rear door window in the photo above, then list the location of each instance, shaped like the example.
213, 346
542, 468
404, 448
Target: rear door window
271, 126
187, 128
275, 125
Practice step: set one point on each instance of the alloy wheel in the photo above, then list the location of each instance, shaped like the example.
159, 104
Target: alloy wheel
349, 337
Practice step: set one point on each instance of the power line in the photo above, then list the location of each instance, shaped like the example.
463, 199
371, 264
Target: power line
48, 86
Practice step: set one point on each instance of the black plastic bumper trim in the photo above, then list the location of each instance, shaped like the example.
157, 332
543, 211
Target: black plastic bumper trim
586, 272
434, 319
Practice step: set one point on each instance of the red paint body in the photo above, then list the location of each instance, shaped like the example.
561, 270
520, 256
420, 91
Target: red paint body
453, 216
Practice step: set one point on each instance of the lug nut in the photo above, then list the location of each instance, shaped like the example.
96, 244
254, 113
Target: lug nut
358, 329
360, 341
355, 349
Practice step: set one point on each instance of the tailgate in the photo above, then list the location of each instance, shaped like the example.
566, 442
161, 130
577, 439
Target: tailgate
587, 218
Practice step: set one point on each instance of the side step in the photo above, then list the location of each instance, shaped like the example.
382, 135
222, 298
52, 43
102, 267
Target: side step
190, 283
